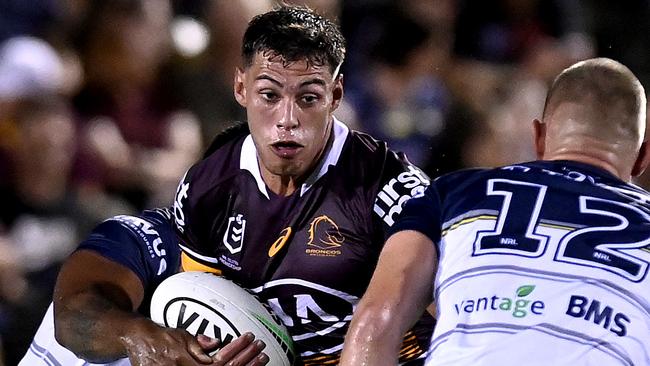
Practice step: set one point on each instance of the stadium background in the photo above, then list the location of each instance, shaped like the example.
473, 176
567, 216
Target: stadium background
104, 104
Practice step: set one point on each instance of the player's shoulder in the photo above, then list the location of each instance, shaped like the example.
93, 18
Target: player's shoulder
364, 146
237, 131
157, 222
360, 161
364, 143
221, 160
158, 216
461, 179
373, 159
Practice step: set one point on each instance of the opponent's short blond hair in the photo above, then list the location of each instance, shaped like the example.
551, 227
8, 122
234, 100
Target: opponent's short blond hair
610, 91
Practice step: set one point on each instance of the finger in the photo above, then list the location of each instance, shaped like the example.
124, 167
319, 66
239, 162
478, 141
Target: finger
229, 351
208, 344
181, 361
248, 354
196, 351
260, 360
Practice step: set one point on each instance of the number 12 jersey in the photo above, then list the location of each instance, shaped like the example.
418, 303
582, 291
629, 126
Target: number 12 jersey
543, 263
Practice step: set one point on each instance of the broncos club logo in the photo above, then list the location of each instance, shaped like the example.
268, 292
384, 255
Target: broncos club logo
324, 237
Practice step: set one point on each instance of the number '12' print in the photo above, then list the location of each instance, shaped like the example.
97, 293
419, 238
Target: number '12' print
603, 246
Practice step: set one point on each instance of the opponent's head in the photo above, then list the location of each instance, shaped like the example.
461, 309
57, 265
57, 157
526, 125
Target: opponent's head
595, 112
290, 85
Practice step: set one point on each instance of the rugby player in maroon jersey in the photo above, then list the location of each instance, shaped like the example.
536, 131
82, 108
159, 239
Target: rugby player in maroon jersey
294, 205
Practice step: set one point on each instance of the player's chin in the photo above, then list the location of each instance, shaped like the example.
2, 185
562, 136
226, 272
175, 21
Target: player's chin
288, 168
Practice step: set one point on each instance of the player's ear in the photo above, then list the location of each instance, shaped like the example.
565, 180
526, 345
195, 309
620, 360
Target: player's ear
539, 128
642, 160
337, 92
239, 87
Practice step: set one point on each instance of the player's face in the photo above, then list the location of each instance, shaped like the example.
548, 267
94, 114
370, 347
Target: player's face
289, 109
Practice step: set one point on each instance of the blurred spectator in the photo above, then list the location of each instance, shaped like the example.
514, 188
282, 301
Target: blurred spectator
504, 136
40, 217
205, 82
137, 142
505, 31
29, 67
497, 38
32, 205
439, 14
19, 17
401, 93
620, 29
513, 49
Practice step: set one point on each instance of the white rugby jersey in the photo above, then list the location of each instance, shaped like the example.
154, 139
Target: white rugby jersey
544, 263
46, 351
146, 245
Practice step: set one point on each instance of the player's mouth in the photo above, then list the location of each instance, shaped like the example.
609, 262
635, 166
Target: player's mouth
286, 149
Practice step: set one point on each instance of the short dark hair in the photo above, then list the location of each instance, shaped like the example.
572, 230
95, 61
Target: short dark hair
294, 33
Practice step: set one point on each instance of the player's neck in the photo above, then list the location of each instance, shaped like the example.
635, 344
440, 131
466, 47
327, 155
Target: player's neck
281, 185
596, 160
584, 147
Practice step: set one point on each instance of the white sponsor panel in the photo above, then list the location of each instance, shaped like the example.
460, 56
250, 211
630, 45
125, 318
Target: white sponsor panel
181, 195
397, 191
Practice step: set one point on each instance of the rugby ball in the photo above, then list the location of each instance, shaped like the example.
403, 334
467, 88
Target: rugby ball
204, 303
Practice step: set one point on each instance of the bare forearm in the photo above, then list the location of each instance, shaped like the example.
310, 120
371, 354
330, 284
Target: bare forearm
94, 326
396, 297
373, 338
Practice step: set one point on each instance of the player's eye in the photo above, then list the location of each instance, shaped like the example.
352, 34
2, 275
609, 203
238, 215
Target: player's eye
269, 96
309, 99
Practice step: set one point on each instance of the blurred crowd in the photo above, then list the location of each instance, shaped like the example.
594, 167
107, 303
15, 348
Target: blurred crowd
104, 104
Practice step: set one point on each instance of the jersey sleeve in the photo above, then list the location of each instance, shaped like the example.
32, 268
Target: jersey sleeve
422, 214
399, 182
146, 248
192, 220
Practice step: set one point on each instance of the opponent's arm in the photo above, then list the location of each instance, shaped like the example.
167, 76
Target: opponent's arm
94, 306
398, 293
94, 309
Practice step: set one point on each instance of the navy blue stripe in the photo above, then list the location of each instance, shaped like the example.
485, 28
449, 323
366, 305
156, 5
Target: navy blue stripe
549, 329
40, 357
546, 275
44, 353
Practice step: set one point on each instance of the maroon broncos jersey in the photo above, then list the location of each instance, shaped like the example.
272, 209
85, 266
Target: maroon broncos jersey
310, 256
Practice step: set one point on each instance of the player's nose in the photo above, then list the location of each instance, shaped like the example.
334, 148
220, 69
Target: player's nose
288, 119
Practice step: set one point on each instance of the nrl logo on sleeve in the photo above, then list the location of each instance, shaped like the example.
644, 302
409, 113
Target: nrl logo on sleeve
397, 191
233, 239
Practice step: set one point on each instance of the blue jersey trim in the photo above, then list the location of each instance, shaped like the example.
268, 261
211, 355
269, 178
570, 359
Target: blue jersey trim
44, 354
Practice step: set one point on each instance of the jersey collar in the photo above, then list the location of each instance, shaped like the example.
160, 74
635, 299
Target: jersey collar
248, 159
